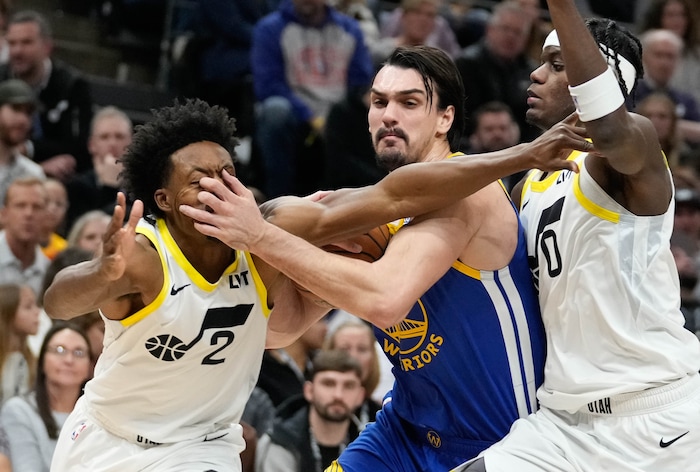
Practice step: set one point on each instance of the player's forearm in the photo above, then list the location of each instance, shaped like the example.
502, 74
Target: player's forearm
77, 290
355, 286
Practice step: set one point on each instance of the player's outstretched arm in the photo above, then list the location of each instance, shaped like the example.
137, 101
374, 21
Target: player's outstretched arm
626, 140
411, 190
85, 287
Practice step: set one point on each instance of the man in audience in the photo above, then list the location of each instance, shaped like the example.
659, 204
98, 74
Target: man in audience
17, 104
96, 188
319, 428
21, 259
498, 68
61, 122
305, 57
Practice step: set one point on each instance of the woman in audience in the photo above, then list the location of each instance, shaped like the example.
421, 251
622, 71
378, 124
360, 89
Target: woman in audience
36, 419
357, 339
87, 231
19, 317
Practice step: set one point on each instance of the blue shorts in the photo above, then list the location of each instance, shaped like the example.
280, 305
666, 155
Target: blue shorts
392, 445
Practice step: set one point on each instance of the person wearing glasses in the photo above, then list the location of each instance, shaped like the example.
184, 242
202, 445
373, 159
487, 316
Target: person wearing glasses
36, 419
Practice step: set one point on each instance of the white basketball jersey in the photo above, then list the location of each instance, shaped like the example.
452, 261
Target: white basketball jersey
608, 289
183, 366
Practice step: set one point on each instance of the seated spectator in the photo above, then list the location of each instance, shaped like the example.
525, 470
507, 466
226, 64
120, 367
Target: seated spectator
62, 120
53, 225
415, 23
17, 104
305, 57
96, 188
315, 433
87, 231
497, 67
662, 50
661, 111
19, 318
21, 258
36, 419
356, 337
680, 17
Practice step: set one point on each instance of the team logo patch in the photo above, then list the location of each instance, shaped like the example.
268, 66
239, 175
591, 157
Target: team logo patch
76, 432
410, 341
433, 439
169, 348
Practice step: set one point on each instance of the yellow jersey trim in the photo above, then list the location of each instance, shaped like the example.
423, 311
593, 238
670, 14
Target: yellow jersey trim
151, 307
259, 285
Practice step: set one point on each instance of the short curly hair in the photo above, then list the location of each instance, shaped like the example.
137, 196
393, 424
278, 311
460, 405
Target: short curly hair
147, 163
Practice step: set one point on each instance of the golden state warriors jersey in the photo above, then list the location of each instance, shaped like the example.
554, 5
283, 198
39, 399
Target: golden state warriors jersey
185, 365
608, 290
468, 357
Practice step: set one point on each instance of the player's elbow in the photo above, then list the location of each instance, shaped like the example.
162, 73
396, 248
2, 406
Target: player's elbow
387, 313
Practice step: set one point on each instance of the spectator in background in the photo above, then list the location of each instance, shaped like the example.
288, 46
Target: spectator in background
541, 27
17, 103
661, 111
350, 156
5, 7
283, 371
662, 52
62, 120
360, 11
21, 258
495, 128
36, 419
680, 17
305, 57
96, 188
356, 337
87, 231
315, 434
415, 23
225, 33
53, 224
497, 67
19, 318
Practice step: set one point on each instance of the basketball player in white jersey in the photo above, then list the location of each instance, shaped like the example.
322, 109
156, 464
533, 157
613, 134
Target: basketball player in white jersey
621, 390
186, 316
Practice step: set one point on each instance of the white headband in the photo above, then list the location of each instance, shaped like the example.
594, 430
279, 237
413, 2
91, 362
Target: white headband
629, 73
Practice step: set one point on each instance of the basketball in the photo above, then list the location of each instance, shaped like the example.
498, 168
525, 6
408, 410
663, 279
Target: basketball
373, 244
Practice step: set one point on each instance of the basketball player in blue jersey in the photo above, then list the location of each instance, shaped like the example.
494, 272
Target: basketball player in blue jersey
186, 316
452, 298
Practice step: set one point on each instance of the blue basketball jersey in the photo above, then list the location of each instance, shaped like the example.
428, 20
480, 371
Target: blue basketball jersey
469, 356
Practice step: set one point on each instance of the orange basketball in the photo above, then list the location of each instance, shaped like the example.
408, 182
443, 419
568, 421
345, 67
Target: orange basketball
373, 244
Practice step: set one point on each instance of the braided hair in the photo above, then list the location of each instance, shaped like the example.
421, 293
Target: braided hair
619, 41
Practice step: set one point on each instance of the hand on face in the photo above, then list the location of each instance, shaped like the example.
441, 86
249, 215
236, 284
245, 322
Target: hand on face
232, 215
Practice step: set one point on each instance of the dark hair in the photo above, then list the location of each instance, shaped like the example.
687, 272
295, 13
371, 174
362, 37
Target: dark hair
620, 41
335, 360
493, 106
440, 75
31, 16
652, 20
42, 394
147, 163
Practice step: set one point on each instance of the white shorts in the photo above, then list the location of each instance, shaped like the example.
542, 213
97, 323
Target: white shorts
655, 430
84, 446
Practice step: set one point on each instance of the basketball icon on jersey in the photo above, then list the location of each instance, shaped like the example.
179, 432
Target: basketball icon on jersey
168, 347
